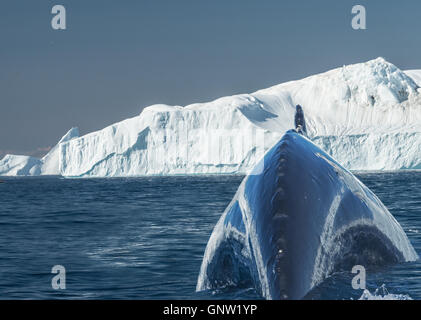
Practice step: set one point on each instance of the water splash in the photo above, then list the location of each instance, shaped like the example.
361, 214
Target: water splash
382, 293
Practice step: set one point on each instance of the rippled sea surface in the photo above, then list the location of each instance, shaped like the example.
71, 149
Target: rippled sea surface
144, 238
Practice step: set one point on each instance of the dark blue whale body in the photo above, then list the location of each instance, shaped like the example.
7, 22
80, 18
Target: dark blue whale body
296, 222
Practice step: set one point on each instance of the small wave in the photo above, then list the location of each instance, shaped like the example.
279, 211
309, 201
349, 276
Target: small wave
383, 294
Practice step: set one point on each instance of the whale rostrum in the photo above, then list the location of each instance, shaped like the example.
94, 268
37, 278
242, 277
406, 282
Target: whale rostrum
295, 223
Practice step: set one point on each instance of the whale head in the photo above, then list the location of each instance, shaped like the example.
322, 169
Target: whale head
297, 222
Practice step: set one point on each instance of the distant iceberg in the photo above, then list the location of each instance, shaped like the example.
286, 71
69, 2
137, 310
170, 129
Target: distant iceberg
16, 165
366, 115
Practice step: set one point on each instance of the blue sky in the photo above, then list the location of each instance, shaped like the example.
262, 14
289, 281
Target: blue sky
117, 57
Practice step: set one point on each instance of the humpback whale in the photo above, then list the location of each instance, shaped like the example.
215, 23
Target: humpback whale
296, 222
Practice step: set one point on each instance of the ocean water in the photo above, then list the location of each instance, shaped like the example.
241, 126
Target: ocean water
144, 238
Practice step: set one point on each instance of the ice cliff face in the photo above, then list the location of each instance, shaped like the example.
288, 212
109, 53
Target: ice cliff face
15, 165
50, 162
367, 115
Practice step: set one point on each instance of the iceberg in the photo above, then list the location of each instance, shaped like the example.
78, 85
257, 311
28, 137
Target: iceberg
18, 165
366, 115
298, 221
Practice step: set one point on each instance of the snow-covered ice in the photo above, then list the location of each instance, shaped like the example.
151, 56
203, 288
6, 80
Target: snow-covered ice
415, 75
366, 115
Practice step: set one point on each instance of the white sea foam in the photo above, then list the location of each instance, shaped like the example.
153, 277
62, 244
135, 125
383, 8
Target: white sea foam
382, 293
